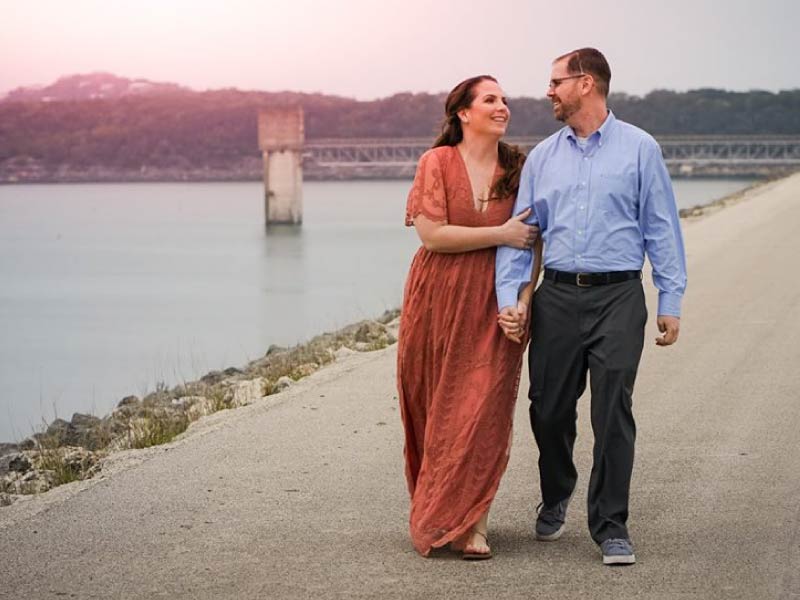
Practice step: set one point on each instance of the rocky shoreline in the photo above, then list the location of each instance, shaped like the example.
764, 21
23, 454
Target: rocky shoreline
73, 450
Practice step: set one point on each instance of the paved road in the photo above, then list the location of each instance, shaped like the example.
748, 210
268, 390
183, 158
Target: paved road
303, 496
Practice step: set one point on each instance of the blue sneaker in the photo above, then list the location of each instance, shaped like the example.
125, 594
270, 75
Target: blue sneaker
617, 551
550, 520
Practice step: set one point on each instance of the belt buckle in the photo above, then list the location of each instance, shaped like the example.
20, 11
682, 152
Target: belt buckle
578, 280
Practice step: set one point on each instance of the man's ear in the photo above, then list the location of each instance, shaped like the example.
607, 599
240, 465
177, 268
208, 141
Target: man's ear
589, 83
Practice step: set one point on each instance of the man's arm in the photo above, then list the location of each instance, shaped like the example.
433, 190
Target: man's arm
663, 241
515, 322
513, 266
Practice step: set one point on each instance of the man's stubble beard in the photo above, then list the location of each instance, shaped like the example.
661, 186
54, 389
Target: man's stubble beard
567, 110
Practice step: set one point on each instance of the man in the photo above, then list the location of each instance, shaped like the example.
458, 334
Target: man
602, 197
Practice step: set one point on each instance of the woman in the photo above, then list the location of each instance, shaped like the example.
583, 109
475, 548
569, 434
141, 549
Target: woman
457, 373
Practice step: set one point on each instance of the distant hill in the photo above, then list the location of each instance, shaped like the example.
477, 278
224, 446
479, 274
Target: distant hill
164, 131
91, 86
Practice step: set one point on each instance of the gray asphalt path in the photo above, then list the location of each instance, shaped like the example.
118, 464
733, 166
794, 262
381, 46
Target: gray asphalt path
302, 496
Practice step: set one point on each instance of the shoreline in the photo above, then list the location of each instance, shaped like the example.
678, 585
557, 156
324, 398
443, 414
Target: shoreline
354, 174
67, 451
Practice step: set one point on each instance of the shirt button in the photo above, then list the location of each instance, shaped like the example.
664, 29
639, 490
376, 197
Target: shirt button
580, 232
582, 207
585, 158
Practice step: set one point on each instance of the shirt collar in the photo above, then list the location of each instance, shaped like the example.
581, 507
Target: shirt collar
601, 133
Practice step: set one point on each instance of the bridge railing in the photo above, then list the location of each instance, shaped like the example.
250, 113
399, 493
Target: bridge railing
677, 150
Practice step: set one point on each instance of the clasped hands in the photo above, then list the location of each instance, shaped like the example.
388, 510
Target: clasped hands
513, 320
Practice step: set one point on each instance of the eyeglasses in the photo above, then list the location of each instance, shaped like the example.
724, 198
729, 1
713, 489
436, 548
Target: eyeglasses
554, 83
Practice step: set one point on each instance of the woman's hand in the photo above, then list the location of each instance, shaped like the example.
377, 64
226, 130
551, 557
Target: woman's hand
512, 323
518, 234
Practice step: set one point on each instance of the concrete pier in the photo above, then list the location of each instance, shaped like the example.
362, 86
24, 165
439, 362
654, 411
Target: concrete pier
281, 134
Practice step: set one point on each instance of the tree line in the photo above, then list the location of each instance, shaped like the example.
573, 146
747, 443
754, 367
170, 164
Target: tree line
213, 129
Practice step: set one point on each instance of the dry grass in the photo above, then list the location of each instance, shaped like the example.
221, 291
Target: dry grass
152, 427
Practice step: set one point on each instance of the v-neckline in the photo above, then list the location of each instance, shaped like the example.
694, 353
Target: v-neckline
469, 181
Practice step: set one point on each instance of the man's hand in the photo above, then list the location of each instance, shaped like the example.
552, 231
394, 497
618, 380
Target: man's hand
669, 327
523, 312
511, 323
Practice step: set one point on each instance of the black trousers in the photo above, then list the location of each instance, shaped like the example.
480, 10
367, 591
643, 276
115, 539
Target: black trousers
575, 330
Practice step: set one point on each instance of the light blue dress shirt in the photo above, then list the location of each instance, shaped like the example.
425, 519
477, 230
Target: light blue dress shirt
600, 208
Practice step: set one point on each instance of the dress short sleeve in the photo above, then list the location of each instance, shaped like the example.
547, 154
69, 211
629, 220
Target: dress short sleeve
427, 196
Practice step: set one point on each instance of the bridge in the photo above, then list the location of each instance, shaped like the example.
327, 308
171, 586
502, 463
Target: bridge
684, 155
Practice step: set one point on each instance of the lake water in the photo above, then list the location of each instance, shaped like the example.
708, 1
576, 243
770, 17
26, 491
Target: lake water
107, 290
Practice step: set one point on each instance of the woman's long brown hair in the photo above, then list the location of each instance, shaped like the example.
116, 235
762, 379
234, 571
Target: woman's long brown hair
511, 158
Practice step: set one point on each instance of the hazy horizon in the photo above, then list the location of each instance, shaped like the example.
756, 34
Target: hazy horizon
364, 50
322, 92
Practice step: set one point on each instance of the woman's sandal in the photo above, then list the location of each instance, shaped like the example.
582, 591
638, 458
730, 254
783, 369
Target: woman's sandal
467, 555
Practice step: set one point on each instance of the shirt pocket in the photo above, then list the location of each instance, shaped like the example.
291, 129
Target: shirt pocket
618, 192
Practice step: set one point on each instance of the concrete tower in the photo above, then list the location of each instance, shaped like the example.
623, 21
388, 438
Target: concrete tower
281, 134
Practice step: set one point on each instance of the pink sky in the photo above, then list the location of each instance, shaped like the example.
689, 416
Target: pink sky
372, 48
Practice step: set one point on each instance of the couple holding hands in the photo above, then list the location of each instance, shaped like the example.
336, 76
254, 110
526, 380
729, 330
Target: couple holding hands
586, 206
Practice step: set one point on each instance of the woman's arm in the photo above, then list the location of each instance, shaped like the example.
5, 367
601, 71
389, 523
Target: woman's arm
440, 237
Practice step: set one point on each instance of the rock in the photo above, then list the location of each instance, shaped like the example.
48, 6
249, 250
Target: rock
273, 349
247, 392
128, 401
184, 402
231, 371
33, 442
372, 335
124, 412
213, 378
82, 421
57, 430
34, 482
5, 464
199, 409
157, 399
4, 468
7, 499
369, 331
83, 430
283, 383
38, 471
304, 370
78, 460
27, 444
126, 408
343, 351
19, 463
87, 431
389, 316
6, 448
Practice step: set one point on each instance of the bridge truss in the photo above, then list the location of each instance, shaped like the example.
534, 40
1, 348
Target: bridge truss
753, 151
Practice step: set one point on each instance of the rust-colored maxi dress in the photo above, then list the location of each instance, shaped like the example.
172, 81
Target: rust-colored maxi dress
457, 374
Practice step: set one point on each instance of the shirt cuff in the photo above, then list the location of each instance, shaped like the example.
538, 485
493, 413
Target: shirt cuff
506, 297
669, 304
